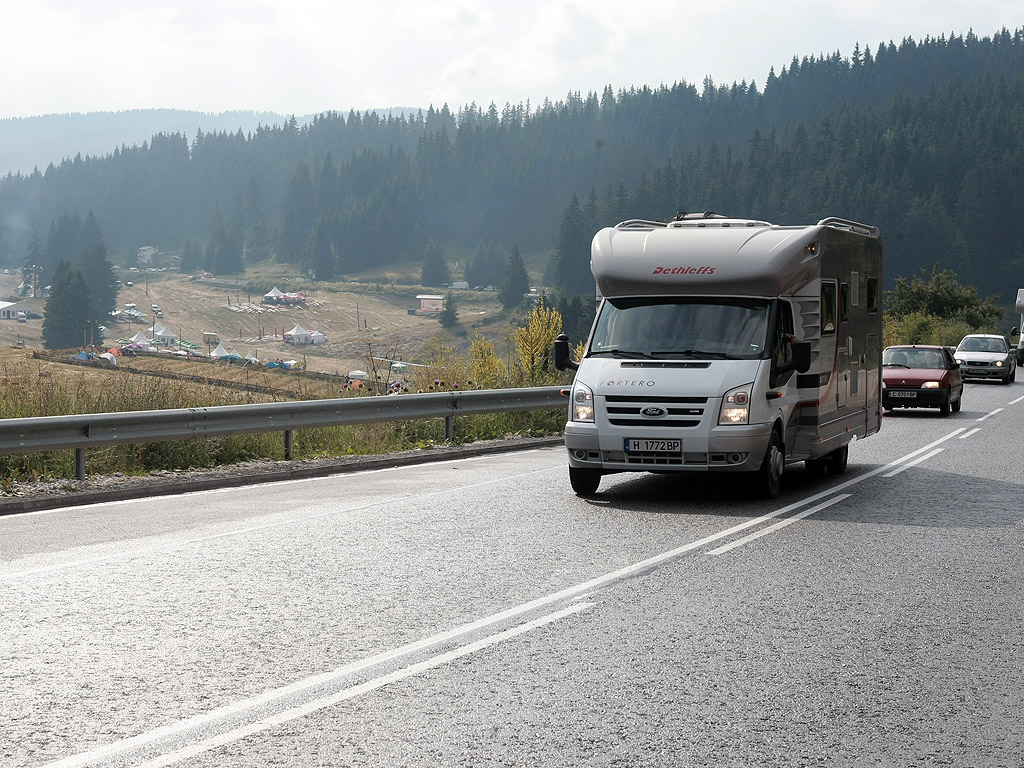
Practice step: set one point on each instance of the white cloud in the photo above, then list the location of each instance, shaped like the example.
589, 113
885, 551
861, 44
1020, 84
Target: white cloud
301, 56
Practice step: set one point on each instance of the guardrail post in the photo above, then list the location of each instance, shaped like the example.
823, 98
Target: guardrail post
80, 463
449, 428
289, 444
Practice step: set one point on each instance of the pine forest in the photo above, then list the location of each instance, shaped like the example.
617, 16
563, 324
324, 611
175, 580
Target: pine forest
924, 139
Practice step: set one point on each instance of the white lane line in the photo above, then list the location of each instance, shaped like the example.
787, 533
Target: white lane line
1014, 402
990, 414
569, 593
913, 463
292, 713
778, 526
970, 432
326, 678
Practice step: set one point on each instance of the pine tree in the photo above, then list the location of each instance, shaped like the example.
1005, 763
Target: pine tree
191, 256
223, 253
257, 241
516, 283
435, 269
297, 216
572, 251
99, 276
323, 260
70, 317
450, 315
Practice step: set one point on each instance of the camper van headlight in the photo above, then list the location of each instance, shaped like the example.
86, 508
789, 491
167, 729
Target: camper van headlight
582, 407
735, 406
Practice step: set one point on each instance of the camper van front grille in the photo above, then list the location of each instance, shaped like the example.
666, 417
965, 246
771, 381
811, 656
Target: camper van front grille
650, 401
635, 411
663, 364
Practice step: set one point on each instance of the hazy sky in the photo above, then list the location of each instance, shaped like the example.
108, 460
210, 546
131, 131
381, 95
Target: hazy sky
307, 56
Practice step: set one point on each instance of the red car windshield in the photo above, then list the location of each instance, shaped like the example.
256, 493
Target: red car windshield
914, 358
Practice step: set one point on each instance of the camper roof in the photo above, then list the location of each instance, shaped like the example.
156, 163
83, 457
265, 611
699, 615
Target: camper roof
710, 255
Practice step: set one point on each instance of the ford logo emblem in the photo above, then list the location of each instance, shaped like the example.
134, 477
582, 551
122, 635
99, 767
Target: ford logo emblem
654, 411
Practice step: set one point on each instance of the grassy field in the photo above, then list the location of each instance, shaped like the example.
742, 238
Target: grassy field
355, 319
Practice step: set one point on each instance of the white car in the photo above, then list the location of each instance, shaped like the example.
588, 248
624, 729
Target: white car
986, 356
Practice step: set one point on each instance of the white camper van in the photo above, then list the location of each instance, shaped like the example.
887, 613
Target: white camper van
727, 346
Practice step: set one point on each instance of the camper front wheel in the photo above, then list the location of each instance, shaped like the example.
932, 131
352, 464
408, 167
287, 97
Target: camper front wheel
584, 482
769, 476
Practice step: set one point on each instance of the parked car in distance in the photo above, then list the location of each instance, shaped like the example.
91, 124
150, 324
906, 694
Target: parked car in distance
921, 376
987, 356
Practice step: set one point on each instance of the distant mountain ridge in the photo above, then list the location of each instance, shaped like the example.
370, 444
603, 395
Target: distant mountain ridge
27, 143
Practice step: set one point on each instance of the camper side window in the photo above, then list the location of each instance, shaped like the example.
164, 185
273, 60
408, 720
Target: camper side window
828, 309
872, 286
783, 344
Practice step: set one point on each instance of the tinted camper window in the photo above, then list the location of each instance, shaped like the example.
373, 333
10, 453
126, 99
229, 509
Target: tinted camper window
872, 287
828, 309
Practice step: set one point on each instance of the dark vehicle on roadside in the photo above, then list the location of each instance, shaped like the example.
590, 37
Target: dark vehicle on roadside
987, 356
921, 376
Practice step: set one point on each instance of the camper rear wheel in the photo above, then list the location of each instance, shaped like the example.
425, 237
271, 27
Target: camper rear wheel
584, 482
834, 463
837, 460
769, 476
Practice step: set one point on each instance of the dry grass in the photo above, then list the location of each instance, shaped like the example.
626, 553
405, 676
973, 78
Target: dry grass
354, 318
35, 383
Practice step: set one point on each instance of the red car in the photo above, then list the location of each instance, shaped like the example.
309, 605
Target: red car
921, 376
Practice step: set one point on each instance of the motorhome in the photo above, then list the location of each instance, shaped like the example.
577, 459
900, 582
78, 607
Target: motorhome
729, 346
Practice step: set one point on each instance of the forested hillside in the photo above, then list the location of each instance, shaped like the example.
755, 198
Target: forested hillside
33, 142
924, 139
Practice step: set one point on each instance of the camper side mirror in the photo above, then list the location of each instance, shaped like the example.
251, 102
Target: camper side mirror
563, 361
801, 360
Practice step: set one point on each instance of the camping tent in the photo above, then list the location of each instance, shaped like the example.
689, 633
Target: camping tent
110, 358
164, 334
297, 335
316, 337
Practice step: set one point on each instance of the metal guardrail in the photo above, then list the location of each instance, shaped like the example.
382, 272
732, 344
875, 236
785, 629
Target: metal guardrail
93, 430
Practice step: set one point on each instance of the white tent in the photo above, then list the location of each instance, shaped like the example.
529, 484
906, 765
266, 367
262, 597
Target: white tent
139, 338
317, 337
273, 294
219, 351
297, 335
163, 332
109, 358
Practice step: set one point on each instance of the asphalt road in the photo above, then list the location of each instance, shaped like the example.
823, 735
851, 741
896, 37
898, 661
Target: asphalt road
476, 613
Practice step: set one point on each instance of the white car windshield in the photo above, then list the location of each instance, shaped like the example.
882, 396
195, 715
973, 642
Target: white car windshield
980, 344
661, 327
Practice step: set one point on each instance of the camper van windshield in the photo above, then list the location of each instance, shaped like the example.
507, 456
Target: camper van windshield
703, 328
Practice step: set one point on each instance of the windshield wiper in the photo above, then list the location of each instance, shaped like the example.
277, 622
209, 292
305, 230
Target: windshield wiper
623, 353
894, 365
694, 353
